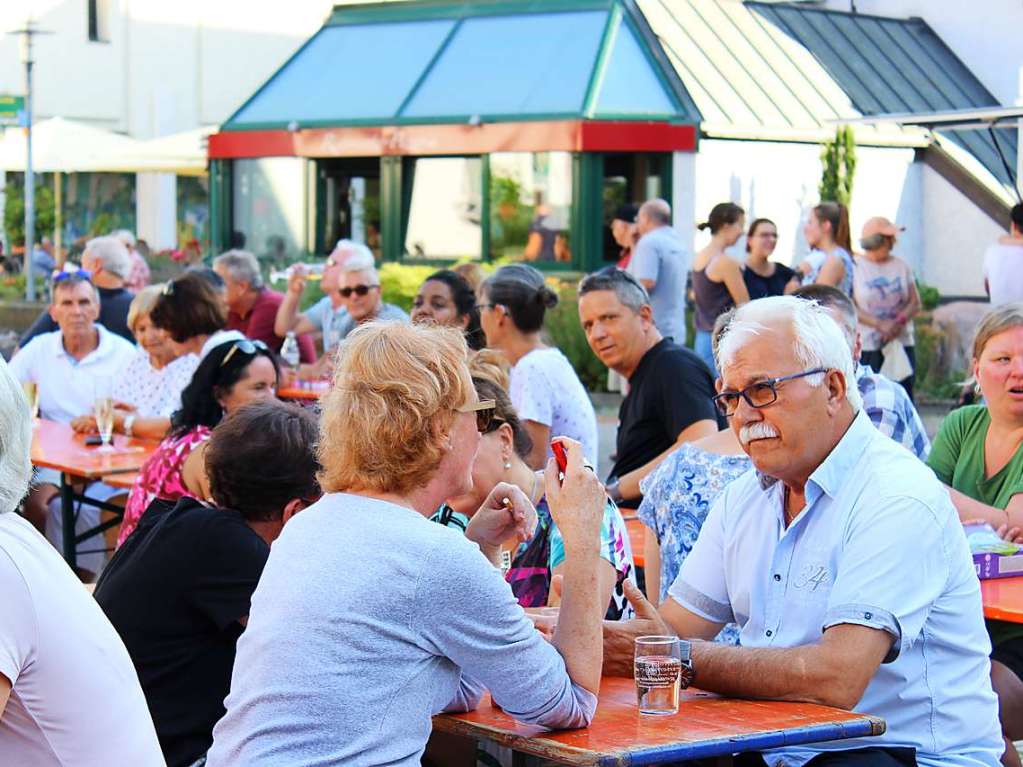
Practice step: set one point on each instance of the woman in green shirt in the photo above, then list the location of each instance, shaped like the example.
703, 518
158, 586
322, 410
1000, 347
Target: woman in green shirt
977, 454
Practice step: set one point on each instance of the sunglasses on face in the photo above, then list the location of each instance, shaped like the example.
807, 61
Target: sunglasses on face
484, 411
245, 346
82, 274
359, 290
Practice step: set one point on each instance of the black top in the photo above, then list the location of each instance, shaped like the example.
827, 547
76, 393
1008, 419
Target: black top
670, 390
175, 592
762, 287
113, 315
712, 299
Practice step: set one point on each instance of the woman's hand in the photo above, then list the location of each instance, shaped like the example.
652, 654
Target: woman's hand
507, 512
576, 503
84, 424
296, 280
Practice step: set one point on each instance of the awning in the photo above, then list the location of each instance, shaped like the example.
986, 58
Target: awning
63, 146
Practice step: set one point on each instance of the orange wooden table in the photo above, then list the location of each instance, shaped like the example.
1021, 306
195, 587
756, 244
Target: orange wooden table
1003, 599
706, 725
125, 481
57, 446
637, 533
306, 391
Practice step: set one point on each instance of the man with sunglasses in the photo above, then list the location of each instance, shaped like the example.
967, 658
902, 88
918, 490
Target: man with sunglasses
65, 365
840, 557
106, 264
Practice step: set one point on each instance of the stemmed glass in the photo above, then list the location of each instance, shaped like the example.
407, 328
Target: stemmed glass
31, 389
103, 410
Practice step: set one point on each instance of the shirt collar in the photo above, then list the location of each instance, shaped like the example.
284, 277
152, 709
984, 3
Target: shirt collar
834, 470
102, 346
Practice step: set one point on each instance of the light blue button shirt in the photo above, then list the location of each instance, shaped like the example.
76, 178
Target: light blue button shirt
879, 544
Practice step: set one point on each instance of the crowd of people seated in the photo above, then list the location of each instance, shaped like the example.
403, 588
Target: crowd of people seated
310, 585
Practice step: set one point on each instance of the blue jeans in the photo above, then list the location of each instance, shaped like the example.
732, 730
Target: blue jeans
705, 351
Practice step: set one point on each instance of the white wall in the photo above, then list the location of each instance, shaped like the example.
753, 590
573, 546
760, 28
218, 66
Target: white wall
955, 241
168, 66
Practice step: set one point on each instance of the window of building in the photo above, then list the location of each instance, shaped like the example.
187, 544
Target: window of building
98, 20
269, 208
443, 207
530, 205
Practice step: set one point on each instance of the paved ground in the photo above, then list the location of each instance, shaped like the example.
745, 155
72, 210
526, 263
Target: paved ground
607, 425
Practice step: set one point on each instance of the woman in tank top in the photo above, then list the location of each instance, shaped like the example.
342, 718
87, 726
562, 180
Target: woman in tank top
717, 278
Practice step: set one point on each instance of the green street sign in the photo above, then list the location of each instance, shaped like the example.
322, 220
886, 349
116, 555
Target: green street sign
12, 110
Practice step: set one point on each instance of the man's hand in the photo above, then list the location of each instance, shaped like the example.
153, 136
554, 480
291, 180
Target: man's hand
84, 424
497, 521
620, 636
296, 280
577, 502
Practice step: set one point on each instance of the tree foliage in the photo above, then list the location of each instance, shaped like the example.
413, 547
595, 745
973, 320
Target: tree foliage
14, 211
839, 160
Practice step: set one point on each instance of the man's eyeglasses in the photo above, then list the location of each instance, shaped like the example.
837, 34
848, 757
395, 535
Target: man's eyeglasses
245, 346
484, 411
168, 288
359, 290
760, 394
80, 274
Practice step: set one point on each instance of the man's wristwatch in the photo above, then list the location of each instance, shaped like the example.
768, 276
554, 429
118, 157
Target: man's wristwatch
614, 492
129, 423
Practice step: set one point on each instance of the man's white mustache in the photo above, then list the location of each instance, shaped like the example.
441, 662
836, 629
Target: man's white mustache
756, 430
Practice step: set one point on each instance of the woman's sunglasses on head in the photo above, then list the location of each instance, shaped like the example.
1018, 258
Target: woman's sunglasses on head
245, 346
484, 411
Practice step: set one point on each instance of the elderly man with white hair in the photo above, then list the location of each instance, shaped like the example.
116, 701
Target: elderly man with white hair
252, 306
69, 693
106, 259
840, 557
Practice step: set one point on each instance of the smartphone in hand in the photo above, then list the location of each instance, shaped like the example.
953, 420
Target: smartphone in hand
560, 457
93, 440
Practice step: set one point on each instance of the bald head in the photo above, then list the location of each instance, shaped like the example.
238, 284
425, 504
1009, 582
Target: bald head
653, 214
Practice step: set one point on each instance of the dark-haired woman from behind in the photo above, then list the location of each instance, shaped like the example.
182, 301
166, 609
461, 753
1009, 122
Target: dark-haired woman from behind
446, 298
717, 277
231, 375
764, 277
544, 388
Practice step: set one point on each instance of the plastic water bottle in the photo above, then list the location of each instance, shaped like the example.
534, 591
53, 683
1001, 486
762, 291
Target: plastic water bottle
289, 350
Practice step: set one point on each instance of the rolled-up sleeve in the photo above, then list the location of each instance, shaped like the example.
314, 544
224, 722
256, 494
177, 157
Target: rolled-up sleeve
700, 586
872, 587
471, 617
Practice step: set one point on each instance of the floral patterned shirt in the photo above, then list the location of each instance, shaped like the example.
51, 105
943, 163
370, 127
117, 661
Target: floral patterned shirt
676, 499
160, 477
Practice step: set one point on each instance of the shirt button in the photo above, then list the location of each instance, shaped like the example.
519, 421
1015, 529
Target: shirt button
769, 632
777, 577
868, 616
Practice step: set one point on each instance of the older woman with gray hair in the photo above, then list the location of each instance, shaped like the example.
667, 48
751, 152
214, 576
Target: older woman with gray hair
69, 693
400, 618
107, 261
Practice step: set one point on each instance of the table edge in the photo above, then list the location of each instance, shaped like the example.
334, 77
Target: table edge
864, 725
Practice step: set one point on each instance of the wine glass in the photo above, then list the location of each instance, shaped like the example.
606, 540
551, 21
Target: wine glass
103, 410
31, 389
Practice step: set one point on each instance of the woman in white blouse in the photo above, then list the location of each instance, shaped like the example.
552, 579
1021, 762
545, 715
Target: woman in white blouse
148, 391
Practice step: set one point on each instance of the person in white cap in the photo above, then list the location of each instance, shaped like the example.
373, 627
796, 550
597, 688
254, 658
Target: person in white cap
886, 298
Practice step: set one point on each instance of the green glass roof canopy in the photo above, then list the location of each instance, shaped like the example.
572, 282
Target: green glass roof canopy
451, 61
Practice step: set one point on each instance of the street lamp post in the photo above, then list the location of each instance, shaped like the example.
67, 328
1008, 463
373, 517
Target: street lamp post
27, 33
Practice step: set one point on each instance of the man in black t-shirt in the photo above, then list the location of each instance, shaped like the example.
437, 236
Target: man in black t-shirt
670, 389
178, 590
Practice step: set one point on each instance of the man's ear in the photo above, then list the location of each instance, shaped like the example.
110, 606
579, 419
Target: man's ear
837, 388
292, 508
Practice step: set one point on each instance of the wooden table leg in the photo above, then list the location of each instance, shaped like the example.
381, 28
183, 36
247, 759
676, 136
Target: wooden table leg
67, 514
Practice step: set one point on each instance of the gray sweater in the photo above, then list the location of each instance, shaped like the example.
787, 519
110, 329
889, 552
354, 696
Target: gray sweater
368, 620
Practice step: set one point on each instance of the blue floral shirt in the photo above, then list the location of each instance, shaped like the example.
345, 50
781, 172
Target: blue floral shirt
676, 499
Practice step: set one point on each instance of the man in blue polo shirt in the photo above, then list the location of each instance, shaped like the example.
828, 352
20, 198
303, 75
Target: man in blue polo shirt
840, 557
